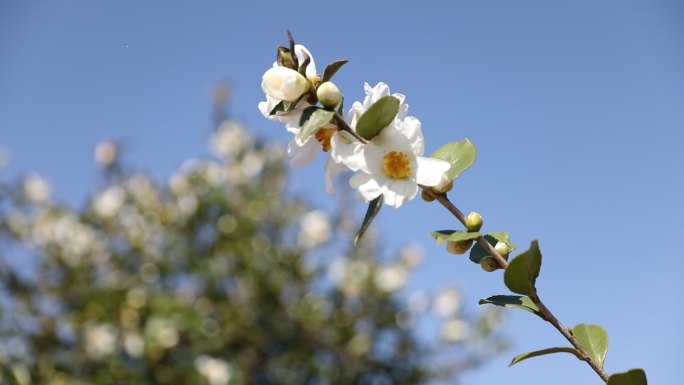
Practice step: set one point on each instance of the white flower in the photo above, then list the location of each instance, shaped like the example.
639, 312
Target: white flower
108, 203
447, 302
37, 189
391, 278
281, 85
106, 153
100, 340
228, 139
284, 84
391, 165
454, 330
215, 370
315, 229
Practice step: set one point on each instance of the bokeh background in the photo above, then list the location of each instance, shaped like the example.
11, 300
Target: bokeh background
577, 109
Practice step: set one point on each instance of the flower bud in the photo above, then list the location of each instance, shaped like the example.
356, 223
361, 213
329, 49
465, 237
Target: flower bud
284, 84
503, 249
473, 221
444, 186
328, 94
490, 264
427, 197
458, 247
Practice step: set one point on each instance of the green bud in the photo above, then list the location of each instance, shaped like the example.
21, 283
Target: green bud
503, 249
473, 222
328, 94
488, 263
458, 247
427, 197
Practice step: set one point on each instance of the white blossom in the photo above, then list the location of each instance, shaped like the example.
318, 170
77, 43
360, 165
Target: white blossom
215, 370
108, 203
37, 189
315, 229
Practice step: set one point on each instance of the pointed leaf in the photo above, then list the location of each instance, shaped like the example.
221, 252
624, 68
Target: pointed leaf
543, 352
373, 210
459, 154
377, 117
522, 272
478, 252
453, 235
512, 301
631, 377
312, 119
331, 68
594, 340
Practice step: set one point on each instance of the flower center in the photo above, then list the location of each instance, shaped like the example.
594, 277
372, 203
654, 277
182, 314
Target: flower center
397, 165
323, 136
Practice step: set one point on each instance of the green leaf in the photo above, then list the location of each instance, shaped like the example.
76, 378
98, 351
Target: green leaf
377, 117
502, 236
543, 352
594, 340
522, 272
284, 106
453, 235
331, 69
512, 301
630, 377
478, 252
459, 154
373, 210
312, 119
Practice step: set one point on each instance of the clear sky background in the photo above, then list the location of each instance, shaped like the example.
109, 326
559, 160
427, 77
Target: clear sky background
577, 109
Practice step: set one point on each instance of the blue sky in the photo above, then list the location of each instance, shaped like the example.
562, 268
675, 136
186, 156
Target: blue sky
577, 109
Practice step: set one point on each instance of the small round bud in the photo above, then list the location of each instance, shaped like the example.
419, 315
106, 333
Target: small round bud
458, 247
502, 249
427, 197
444, 186
473, 222
328, 94
488, 263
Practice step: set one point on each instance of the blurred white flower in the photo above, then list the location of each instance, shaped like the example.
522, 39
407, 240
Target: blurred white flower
215, 370
134, 344
108, 202
314, 229
37, 189
252, 164
228, 139
106, 153
411, 255
454, 330
349, 276
100, 340
391, 278
447, 302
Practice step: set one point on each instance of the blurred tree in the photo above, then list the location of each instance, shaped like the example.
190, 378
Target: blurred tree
216, 277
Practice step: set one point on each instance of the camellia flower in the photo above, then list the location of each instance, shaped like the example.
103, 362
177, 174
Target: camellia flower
285, 84
391, 164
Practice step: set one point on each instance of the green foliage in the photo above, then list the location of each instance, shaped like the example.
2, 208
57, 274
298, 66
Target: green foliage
521, 274
374, 207
593, 339
331, 69
312, 119
630, 377
459, 154
512, 301
454, 235
216, 277
543, 352
377, 117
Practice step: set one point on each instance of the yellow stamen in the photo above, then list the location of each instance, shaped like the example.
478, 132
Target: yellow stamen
323, 136
397, 165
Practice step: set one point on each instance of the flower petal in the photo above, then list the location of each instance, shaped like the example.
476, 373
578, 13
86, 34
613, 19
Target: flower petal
332, 168
368, 187
302, 155
396, 192
301, 53
430, 170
